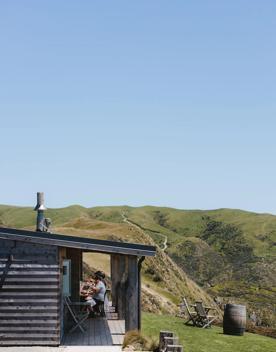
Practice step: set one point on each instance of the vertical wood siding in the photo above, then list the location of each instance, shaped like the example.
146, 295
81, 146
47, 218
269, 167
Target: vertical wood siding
125, 289
29, 294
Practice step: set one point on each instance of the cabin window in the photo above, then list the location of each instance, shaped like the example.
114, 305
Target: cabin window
66, 277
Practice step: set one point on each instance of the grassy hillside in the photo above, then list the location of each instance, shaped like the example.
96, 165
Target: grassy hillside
231, 254
205, 340
163, 284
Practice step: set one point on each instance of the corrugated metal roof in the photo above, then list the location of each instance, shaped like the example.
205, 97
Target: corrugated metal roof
84, 243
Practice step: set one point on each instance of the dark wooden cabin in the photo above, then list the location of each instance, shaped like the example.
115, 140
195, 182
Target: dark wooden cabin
37, 269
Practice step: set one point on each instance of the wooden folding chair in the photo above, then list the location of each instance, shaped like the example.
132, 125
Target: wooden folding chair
193, 317
203, 318
79, 317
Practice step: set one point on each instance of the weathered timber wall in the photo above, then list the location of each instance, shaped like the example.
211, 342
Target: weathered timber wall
125, 289
63, 313
132, 294
118, 279
29, 294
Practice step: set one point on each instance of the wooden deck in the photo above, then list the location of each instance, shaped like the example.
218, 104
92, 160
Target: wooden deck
98, 332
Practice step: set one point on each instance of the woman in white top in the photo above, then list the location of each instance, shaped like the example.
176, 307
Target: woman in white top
99, 289
96, 300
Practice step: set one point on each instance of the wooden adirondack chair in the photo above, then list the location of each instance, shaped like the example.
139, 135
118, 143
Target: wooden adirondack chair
203, 319
193, 316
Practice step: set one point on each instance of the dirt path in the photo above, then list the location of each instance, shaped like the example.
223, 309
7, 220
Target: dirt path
165, 242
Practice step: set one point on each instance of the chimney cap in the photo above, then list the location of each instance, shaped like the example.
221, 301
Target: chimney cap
40, 207
40, 202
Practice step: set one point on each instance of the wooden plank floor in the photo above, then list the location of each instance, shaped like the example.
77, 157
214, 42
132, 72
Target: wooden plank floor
98, 332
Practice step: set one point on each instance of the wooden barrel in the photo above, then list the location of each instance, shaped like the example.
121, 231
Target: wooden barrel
234, 319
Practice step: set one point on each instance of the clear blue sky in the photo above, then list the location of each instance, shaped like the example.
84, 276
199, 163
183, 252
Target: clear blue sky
166, 103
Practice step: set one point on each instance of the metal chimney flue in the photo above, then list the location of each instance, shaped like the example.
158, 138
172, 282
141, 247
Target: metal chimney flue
42, 223
40, 202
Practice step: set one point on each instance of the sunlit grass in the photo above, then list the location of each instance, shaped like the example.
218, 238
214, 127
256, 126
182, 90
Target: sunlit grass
205, 340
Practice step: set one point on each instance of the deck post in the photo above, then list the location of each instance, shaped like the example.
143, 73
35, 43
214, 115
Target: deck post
76, 258
132, 294
114, 279
118, 278
140, 262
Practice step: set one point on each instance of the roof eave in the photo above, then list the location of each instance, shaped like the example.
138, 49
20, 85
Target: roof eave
109, 249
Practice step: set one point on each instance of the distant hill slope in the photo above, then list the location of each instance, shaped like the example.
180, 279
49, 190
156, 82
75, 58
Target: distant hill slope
164, 283
231, 254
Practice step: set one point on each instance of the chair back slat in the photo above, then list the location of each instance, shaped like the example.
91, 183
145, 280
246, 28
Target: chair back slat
187, 306
200, 310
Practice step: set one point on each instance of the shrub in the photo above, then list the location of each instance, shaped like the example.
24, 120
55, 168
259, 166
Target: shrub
150, 271
157, 278
139, 342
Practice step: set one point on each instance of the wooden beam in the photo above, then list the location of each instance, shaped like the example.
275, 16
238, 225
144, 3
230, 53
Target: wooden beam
114, 279
75, 256
140, 262
101, 246
122, 287
118, 279
132, 294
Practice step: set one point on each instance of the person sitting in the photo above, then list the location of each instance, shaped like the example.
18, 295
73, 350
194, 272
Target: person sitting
94, 294
99, 292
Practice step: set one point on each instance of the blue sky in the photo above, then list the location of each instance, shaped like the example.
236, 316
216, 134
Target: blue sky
168, 103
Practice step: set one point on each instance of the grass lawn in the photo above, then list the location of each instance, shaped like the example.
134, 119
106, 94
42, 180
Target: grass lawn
205, 340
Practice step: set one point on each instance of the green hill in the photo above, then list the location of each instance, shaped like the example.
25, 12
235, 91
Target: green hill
230, 254
164, 283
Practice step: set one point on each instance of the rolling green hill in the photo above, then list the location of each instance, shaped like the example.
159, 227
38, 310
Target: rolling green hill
230, 254
164, 283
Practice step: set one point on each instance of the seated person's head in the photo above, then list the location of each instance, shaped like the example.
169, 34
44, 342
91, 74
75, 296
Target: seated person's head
99, 276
